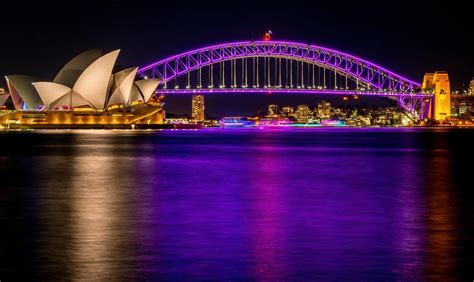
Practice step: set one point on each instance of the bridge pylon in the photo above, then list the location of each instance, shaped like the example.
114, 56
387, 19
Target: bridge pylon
438, 83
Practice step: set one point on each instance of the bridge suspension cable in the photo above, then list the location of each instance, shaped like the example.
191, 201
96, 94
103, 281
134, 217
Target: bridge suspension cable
235, 73
279, 72
265, 72
188, 85
269, 84
291, 73
304, 73
324, 78
199, 78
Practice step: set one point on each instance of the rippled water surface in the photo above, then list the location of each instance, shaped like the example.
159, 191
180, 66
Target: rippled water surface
266, 205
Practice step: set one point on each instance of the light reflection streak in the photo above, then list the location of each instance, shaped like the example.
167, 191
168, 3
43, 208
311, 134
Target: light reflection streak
95, 216
268, 229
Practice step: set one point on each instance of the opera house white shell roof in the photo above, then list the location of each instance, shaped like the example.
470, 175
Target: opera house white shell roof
69, 74
23, 94
3, 98
86, 80
122, 87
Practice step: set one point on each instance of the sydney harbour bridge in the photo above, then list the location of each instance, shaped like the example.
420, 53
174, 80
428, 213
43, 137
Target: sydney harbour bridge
284, 67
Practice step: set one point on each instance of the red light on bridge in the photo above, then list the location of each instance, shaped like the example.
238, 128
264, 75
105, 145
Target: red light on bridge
268, 35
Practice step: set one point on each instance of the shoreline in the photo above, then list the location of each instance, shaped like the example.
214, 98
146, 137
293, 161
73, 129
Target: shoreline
22, 127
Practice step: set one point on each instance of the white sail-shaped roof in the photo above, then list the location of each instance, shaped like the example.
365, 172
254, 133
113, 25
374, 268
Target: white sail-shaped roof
50, 91
3, 99
135, 95
147, 87
93, 82
69, 74
71, 100
122, 86
21, 89
55, 95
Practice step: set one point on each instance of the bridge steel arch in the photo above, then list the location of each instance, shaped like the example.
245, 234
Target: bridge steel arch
371, 74
380, 81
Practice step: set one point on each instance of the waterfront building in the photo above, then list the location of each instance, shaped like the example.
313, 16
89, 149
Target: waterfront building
324, 110
85, 81
287, 111
198, 108
463, 108
303, 114
85, 91
272, 110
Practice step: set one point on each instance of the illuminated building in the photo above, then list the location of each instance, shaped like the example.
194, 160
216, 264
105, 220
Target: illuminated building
438, 82
288, 112
324, 109
272, 110
463, 108
303, 114
471, 87
85, 91
198, 107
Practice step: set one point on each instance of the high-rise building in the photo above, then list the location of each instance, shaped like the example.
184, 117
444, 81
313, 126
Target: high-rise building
324, 109
272, 110
303, 114
438, 82
471, 87
198, 107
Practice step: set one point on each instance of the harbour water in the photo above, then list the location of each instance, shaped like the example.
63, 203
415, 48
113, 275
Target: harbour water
355, 204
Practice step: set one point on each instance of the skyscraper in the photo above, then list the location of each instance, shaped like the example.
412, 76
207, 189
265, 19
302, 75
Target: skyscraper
198, 107
470, 91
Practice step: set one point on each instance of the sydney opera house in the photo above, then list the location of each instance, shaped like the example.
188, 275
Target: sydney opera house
85, 93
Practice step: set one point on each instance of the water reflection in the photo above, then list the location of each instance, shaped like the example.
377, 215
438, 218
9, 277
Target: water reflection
268, 210
235, 205
409, 218
441, 220
100, 214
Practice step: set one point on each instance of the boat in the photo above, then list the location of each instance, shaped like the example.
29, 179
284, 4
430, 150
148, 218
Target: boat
275, 123
236, 122
332, 122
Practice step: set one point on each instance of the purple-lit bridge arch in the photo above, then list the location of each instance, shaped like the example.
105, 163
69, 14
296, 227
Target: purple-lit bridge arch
367, 78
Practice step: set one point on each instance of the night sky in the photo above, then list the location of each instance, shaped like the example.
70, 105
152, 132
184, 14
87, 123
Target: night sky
407, 37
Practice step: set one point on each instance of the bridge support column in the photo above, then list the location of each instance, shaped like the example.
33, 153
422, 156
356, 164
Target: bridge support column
438, 83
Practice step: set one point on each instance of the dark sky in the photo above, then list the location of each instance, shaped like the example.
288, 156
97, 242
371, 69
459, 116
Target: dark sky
408, 37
